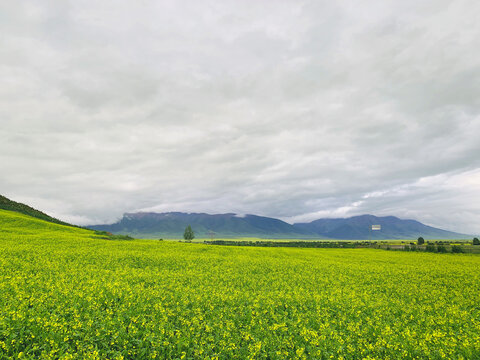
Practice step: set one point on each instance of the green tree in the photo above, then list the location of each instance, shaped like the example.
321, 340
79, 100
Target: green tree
189, 235
420, 241
476, 241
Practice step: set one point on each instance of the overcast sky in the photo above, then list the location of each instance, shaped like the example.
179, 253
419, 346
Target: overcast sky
291, 109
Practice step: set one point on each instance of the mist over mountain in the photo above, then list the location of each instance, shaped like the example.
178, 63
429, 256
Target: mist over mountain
172, 225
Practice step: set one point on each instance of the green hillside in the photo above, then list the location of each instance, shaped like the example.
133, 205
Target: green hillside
7, 204
14, 225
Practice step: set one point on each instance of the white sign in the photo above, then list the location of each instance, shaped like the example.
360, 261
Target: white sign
376, 227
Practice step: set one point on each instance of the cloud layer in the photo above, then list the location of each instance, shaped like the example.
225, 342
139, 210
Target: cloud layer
292, 109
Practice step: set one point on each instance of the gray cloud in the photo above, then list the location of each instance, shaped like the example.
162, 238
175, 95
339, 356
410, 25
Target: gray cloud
294, 109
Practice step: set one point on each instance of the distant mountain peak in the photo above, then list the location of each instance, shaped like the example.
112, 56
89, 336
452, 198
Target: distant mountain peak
392, 227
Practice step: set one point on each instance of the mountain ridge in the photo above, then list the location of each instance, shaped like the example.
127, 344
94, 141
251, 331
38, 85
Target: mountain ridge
230, 225
392, 227
172, 225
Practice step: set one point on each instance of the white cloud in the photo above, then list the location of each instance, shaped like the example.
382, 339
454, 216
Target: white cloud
291, 109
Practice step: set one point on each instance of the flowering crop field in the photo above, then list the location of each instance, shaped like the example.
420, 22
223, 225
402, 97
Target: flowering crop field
65, 293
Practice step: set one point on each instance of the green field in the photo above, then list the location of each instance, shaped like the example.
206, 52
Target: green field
66, 293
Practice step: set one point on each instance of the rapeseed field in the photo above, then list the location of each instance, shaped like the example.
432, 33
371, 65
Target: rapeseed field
65, 293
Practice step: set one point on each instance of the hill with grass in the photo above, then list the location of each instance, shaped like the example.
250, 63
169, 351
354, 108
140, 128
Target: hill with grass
15, 225
7, 204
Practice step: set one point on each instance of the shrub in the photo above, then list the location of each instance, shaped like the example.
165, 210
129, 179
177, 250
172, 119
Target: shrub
420, 241
430, 248
121, 237
457, 249
441, 249
476, 241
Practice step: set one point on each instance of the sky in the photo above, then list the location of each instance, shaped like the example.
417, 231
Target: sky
291, 109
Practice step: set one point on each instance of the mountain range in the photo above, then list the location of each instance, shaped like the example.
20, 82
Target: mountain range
172, 224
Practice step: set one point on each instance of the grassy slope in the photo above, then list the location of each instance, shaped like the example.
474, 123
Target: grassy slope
7, 204
14, 225
66, 294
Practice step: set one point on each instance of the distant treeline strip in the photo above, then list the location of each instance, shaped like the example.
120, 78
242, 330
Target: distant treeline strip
301, 244
435, 247
109, 236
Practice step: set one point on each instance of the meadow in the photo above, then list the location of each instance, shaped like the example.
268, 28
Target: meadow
66, 293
